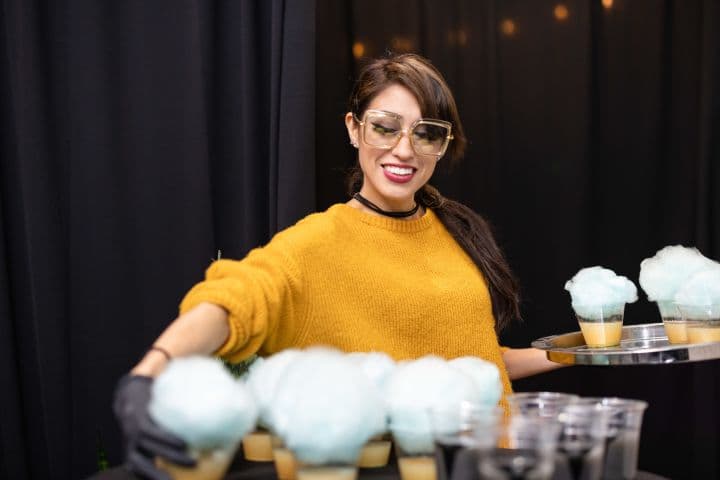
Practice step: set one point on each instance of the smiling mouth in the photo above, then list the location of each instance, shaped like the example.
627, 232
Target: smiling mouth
402, 171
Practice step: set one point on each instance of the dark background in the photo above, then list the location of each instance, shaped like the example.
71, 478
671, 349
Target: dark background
139, 138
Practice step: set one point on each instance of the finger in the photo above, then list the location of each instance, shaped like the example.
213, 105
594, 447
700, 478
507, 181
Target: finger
170, 453
145, 467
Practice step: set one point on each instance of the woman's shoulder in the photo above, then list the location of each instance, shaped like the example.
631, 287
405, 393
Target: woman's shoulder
315, 228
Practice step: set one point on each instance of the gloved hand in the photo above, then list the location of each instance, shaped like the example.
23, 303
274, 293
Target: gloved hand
145, 440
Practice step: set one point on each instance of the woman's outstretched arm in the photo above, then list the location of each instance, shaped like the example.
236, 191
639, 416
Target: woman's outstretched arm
524, 362
201, 330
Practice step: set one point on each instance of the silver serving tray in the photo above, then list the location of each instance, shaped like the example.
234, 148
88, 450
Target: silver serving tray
645, 344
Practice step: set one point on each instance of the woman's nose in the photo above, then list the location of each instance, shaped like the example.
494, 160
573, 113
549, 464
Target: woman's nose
403, 149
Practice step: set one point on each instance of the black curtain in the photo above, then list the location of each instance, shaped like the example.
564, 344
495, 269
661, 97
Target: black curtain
594, 134
137, 139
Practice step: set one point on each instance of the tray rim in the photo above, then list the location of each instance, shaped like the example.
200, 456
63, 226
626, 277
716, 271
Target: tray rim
655, 355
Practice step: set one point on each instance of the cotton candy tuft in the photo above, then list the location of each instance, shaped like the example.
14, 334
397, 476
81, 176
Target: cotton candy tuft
198, 400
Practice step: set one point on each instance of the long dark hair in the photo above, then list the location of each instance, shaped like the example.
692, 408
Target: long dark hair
470, 230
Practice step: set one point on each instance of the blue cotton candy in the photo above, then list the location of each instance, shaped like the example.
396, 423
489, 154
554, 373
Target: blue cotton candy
198, 400
415, 388
598, 292
326, 408
263, 378
376, 365
486, 377
699, 297
662, 275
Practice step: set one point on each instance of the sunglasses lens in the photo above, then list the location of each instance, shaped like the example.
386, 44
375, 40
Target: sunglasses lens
382, 131
430, 139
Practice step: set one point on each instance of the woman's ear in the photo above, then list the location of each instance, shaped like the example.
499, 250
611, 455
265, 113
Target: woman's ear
352, 128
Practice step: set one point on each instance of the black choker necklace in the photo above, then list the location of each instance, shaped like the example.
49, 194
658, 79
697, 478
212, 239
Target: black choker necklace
387, 213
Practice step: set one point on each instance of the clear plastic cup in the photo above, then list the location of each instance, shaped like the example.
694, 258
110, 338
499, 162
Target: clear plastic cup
581, 445
286, 464
703, 322
522, 447
211, 464
454, 429
415, 453
541, 404
376, 452
601, 325
257, 446
675, 326
622, 435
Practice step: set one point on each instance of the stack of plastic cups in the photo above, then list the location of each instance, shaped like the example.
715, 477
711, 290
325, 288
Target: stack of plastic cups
622, 434
523, 447
455, 429
581, 445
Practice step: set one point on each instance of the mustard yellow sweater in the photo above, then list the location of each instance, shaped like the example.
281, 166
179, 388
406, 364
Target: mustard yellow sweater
358, 282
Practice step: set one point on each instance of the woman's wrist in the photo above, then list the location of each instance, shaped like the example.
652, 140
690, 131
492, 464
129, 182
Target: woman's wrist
151, 364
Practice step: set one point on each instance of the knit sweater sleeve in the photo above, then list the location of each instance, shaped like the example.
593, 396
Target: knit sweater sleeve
261, 294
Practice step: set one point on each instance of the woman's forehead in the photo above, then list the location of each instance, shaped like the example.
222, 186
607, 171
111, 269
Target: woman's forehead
397, 99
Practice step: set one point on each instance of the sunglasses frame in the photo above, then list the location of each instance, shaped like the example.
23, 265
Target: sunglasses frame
407, 131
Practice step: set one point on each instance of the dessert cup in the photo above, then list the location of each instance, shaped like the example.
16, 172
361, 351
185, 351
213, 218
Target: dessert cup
675, 326
211, 464
257, 446
703, 322
415, 454
285, 462
376, 452
601, 325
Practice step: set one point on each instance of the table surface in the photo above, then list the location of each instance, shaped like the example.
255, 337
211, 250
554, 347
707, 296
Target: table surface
244, 470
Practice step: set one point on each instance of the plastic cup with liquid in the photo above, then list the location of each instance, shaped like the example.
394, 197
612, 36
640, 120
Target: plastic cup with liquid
211, 464
257, 446
415, 452
675, 326
522, 447
376, 452
601, 325
284, 460
454, 428
703, 322
622, 441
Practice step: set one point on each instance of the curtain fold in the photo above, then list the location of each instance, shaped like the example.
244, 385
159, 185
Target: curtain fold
138, 139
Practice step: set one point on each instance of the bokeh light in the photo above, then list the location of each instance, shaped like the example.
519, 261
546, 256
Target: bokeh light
358, 49
507, 27
561, 12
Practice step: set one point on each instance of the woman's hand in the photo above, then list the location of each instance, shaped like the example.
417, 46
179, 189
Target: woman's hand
145, 440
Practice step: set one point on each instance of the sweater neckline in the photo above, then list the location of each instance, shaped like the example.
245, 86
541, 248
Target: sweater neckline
386, 223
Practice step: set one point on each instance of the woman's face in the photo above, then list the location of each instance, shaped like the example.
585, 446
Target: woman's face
392, 176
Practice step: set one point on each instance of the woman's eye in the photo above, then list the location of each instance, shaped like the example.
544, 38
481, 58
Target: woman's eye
426, 135
383, 129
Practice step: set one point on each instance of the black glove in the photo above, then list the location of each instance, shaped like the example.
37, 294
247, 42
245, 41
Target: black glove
145, 439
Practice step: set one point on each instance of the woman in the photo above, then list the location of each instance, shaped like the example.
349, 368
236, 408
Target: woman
398, 268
